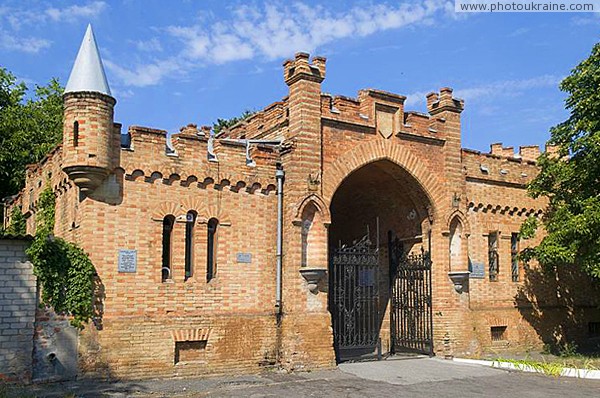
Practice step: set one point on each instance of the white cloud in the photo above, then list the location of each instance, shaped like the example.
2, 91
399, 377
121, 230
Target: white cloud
518, 32
76, 11
31, 45
278, 30
14, 20
145, 74
593, 19
505, 88
153, 45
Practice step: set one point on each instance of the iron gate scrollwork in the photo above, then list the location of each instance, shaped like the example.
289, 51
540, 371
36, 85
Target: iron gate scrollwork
355, 299
411, 315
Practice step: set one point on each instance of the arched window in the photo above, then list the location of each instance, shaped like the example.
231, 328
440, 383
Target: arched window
314, 237
75, 133
456, 246
189, 243
167, 232
211, 255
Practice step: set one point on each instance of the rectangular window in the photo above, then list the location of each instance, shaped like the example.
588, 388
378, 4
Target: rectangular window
514, 256
498, 333
493, 257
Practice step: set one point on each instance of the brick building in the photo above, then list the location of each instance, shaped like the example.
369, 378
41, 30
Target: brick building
319, 229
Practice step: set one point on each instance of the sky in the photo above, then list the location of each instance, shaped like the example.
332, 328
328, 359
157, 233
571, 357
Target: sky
170, 63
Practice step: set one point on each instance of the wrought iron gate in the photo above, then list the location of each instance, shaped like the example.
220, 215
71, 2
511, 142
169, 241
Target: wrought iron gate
355, 299
411, 315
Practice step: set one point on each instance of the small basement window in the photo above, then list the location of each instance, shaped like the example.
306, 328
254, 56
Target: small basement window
190, 351
498, 333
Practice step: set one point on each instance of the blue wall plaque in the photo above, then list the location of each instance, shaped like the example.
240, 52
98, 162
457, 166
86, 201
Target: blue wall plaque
477, 270
245, 258
127, 260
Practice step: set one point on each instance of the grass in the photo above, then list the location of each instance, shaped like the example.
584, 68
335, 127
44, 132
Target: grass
553, 365
547, 368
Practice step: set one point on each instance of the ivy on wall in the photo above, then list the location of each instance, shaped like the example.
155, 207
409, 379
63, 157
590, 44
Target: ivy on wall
63, 269
17, 226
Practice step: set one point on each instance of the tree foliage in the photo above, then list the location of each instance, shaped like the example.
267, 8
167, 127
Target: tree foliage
571, 179
224, 124
29, 128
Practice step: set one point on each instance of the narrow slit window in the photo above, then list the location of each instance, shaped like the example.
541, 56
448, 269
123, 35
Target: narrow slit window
493, 257
514, 256
211, 255
167, 236
189, 243
76, 133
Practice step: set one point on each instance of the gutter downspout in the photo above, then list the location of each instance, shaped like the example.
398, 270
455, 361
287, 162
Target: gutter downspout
279, 175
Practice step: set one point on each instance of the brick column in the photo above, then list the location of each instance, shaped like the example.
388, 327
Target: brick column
306, 334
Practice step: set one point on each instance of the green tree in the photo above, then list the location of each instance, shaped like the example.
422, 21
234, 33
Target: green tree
570, 180
29, 128
223, 124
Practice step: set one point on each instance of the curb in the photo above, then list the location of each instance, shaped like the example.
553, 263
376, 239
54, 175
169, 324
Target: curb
566, 372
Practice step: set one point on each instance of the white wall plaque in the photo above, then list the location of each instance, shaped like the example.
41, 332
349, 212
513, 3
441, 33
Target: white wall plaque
244, 258
127, 260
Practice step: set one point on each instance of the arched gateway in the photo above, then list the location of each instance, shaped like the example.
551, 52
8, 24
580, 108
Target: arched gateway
380, 267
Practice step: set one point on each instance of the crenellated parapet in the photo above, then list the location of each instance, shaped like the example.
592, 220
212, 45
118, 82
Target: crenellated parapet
183, 159
444, 101
382, 112
498, 168
526, 152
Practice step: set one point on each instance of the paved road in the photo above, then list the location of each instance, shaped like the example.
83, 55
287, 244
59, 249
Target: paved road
425, 377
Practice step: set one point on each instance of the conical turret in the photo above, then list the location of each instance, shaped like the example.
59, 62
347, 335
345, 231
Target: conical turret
88, 72
90, 139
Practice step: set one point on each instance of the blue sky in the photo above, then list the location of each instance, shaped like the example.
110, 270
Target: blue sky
172, 63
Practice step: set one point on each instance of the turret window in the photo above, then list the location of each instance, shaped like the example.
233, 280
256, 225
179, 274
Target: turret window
211, 255
75, 133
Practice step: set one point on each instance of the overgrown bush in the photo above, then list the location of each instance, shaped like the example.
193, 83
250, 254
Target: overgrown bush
64, 270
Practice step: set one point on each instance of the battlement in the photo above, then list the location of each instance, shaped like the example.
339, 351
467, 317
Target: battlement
384, 111
300, 68
498, 168
444, 101
526, 152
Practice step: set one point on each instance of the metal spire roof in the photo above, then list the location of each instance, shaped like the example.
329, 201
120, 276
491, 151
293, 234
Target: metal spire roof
88, 72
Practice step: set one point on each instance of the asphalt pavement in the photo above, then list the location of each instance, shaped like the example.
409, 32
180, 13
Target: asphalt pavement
416, 377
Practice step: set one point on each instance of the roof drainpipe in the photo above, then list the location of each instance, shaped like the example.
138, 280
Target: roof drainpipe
279, 175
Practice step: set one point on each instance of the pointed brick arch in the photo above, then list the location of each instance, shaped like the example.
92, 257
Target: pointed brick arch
335, 173
464, 221
319, 204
